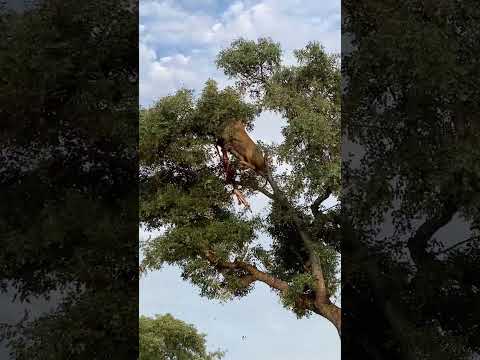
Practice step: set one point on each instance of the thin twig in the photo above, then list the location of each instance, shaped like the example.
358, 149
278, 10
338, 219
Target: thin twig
457, 245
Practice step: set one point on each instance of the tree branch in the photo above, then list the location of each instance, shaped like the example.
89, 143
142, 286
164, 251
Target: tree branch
321, 295
417, 244
257, 188
377, 281
321, 303
254, 273
265, 192
326, 309
318, 201
456, 245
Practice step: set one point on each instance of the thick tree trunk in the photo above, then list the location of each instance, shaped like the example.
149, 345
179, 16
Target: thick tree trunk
332, 313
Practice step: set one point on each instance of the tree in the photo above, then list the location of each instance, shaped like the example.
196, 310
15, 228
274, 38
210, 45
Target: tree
412, 107
167, 338
68, 99
183, 191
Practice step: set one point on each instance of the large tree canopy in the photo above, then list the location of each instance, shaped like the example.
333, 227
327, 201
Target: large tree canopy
183, 192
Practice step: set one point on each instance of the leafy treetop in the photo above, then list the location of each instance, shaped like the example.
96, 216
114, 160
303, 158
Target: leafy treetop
183, 192
165, 337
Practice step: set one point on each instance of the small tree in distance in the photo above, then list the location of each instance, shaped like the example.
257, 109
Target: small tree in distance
183, 191
167, 338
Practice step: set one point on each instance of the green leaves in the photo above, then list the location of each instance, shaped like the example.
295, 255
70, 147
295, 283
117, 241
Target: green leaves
298, 286
186, 244
166, 338
411, 104
163, 125
182, 186
69, 145
215, 108
252, 64
183, 190
308, 96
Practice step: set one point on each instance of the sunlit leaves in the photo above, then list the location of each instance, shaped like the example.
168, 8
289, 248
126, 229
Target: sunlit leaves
250, 63
183, 191
167, 338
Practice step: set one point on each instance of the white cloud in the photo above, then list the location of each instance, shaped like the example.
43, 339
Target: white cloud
167, 24
163, 76
190, 40
179, 59
216, 27
291, 22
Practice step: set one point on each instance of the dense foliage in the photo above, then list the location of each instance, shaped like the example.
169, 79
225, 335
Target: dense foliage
166, 338
68, 103
411, 106
183, 190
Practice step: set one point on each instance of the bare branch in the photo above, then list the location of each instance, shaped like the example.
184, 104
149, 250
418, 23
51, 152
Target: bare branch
265, 192
318, 201
457, 245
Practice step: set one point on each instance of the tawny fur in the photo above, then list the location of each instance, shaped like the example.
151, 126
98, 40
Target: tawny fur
238, 142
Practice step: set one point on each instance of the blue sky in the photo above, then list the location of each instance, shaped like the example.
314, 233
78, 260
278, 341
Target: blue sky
178, 44
179, 39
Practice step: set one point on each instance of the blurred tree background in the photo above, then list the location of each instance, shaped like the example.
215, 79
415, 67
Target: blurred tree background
69, 209
411, 180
